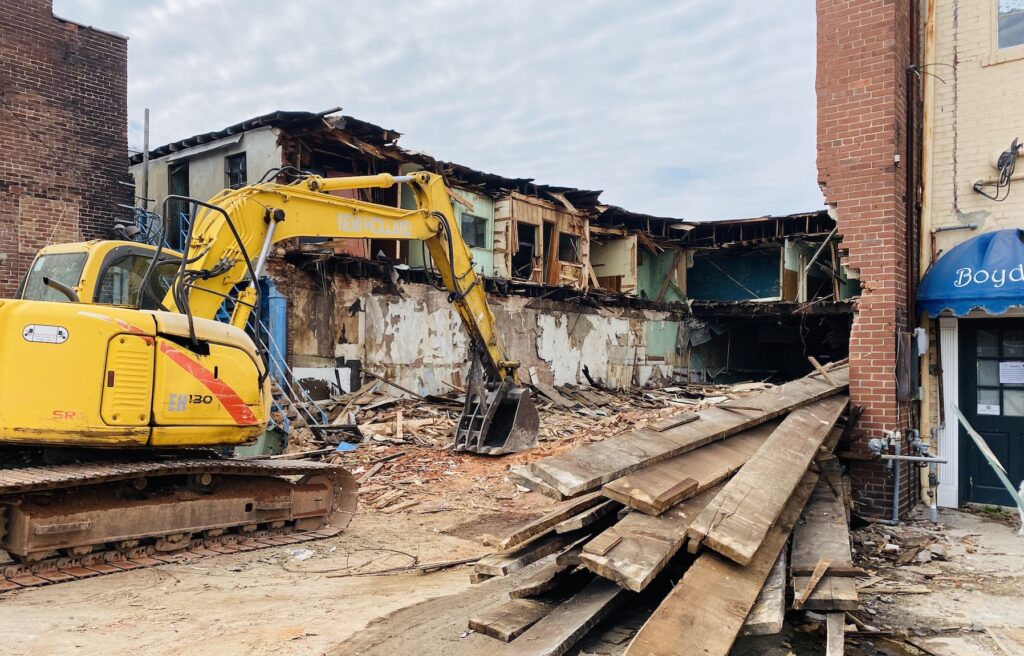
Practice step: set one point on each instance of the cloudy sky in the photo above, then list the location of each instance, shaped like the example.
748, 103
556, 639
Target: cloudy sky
700, 109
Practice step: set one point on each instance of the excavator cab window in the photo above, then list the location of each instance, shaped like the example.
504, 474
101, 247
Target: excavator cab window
121, 279
65, 268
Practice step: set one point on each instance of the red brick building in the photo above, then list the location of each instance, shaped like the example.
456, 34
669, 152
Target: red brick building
868, 121
63, 121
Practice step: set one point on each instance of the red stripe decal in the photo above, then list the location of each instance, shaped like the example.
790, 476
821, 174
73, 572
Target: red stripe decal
236, 407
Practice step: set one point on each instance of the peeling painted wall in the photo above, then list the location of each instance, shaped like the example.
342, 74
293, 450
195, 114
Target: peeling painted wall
416, 338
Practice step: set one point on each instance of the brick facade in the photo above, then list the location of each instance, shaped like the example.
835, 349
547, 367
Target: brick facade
864, 49
63, 121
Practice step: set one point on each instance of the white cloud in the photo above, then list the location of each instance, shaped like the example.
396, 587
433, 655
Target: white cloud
689, 108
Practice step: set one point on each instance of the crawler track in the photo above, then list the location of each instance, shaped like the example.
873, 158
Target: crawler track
20, 483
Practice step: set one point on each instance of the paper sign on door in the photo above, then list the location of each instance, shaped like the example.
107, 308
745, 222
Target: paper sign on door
1011, 373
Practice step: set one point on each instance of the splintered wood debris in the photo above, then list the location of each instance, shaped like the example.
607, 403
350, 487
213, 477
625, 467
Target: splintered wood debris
734, 481
402, 450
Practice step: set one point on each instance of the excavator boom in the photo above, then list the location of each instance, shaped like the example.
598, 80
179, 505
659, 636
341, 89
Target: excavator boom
231, 237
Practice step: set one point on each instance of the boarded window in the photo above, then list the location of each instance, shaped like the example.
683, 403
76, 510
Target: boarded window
1011, 23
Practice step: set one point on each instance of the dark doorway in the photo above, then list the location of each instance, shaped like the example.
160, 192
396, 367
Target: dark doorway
992, 400
522, 259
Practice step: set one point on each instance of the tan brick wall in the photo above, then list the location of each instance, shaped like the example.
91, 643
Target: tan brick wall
974, 114
63, 125
977, 113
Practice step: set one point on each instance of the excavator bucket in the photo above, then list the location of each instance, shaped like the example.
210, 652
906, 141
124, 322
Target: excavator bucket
498, 417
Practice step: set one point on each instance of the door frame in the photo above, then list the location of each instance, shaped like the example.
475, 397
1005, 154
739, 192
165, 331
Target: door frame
949, 430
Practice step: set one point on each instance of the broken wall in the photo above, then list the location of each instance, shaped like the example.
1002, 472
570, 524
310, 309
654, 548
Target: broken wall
412, 334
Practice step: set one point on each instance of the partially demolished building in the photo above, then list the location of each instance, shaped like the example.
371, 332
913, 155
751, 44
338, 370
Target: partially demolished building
584, 291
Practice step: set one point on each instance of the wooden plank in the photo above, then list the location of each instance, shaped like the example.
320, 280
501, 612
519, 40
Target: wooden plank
705, 611
548, 577
603, 543
653, 489
522, 475
556, 633
501, 564
824, 534
509, 620
588, 517
835, 627
643, 545
737, 521
831, 593
804, 591
552, 394
588, 467
548, 521
571, 554
821, 370
769, 611
673, 421
833, 570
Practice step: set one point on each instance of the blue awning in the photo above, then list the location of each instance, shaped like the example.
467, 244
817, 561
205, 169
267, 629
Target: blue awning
985, 272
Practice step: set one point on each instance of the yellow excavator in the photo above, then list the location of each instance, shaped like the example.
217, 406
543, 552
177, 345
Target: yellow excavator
117, 384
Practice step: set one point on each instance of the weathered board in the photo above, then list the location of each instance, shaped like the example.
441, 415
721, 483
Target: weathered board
588, 517
588, 467
522, 475
545, 579
548, 521
738, 519
553, 394
769, 612
643, 545
705, 611
557, 632
509, 620
501, 564
673, 421
824, 533
653, 489
835, 638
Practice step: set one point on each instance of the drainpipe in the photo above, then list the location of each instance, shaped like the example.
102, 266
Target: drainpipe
925, 247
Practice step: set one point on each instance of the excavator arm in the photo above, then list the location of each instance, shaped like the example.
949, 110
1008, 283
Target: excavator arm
231, 236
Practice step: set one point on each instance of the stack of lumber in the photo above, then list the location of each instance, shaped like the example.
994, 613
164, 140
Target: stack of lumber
730, 487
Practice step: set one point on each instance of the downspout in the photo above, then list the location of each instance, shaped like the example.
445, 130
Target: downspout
932, 386
912, 72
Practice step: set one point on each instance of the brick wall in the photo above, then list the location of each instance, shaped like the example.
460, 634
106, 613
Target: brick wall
63, 121
864, 48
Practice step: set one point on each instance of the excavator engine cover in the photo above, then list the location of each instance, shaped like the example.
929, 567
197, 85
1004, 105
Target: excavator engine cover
498, 417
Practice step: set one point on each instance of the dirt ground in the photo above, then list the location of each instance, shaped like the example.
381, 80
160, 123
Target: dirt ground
264, 602
285, 601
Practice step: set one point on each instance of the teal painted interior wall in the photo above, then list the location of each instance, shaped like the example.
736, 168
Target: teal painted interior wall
661, 338
650, 273
753, 274
483, 206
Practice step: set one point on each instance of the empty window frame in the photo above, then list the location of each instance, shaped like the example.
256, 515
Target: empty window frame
235, 176
1010, 14
568, 248
177, 185
474, 230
